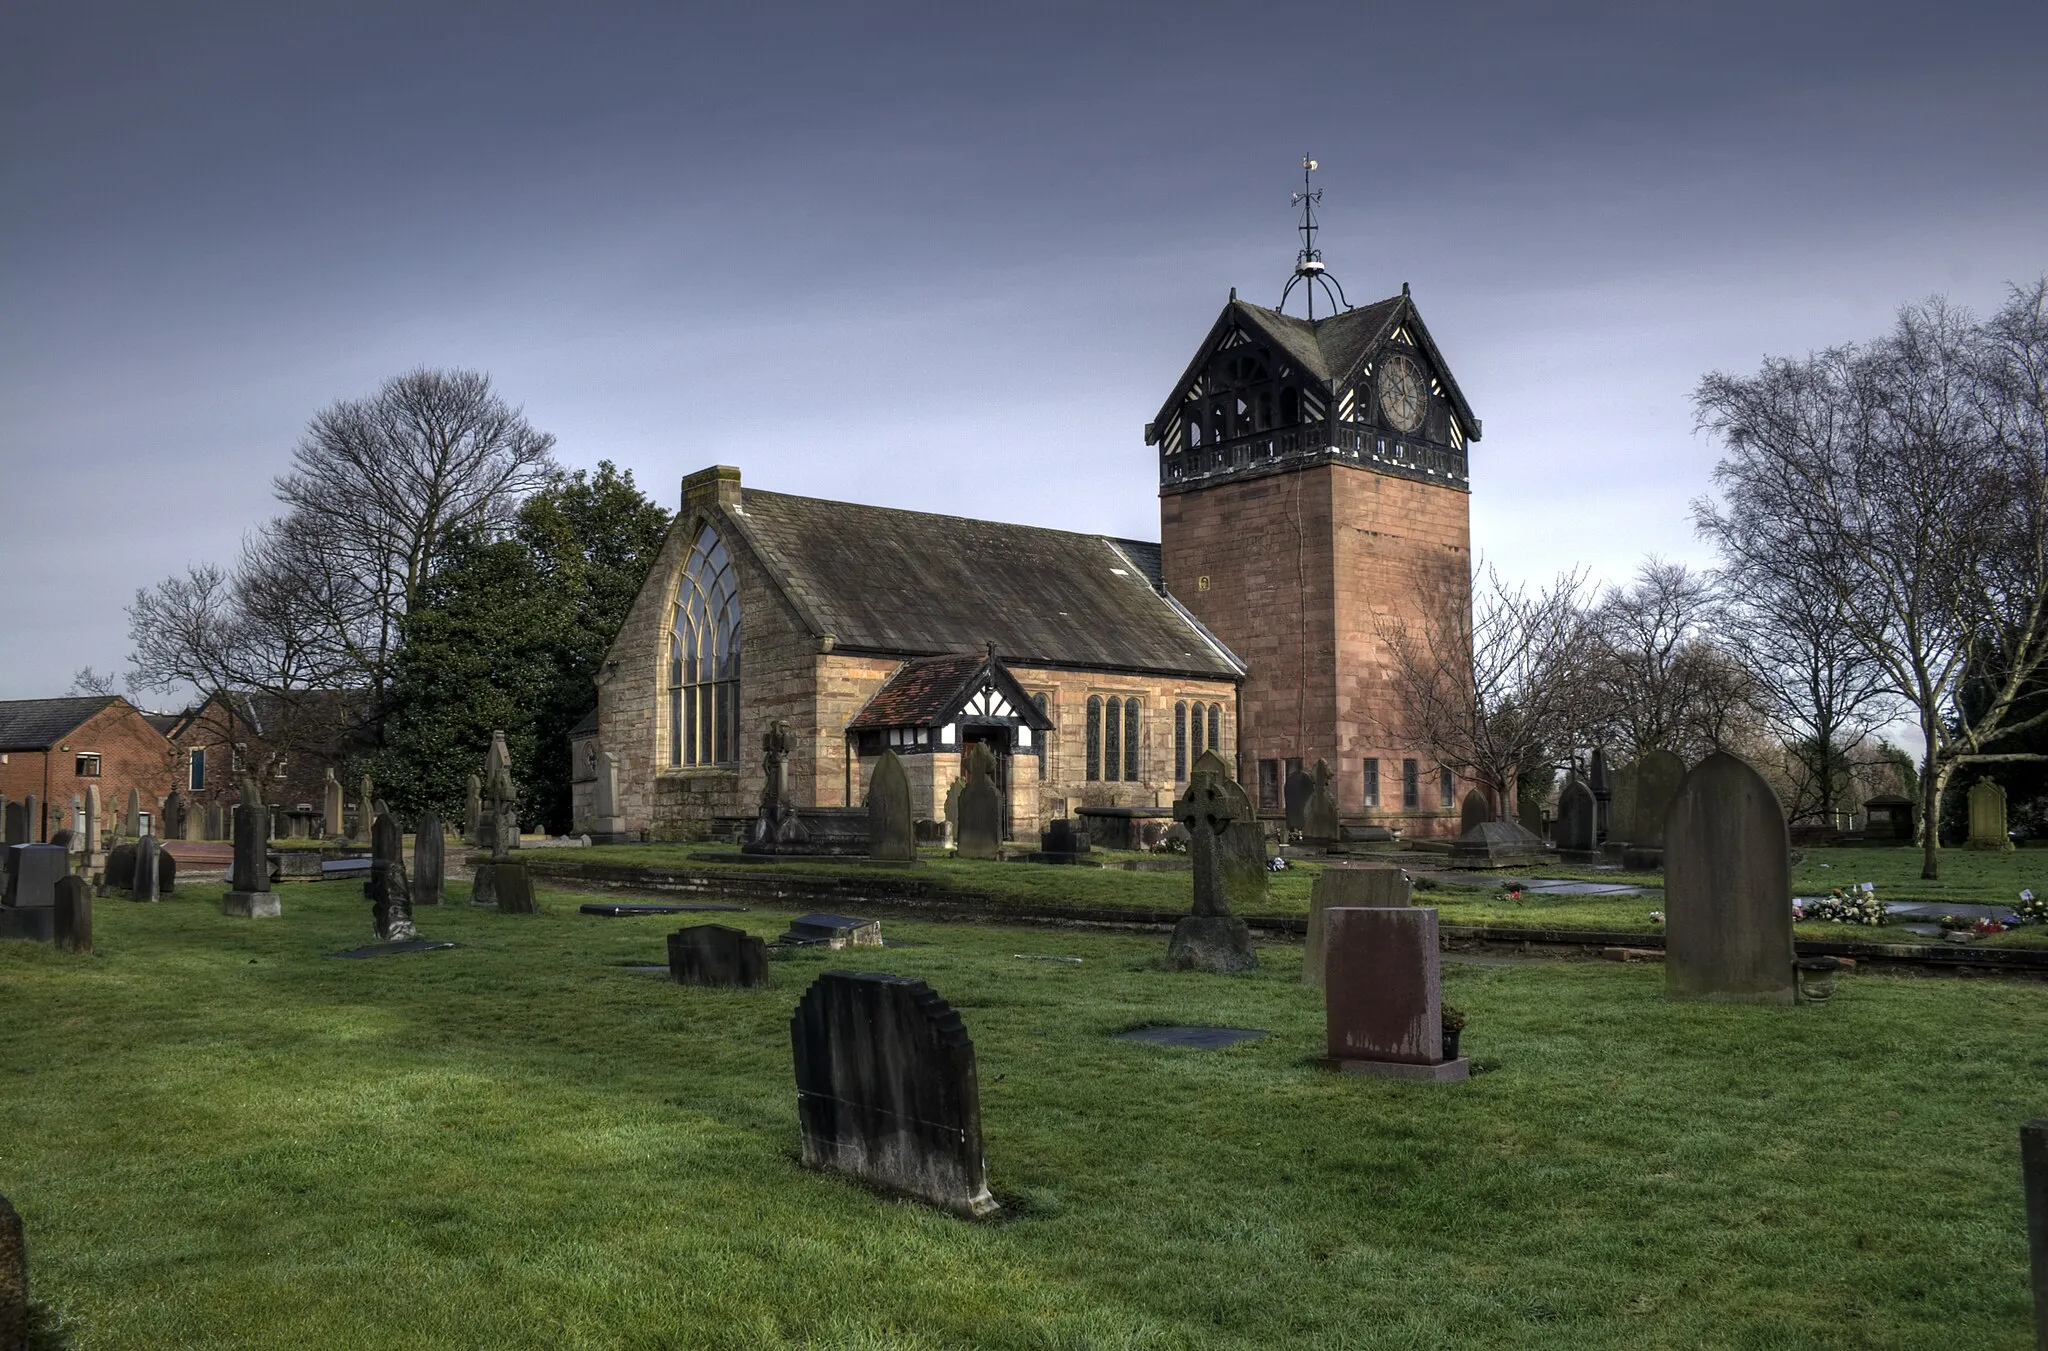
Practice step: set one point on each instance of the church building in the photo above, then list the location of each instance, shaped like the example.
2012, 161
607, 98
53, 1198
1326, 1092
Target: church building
1313, 499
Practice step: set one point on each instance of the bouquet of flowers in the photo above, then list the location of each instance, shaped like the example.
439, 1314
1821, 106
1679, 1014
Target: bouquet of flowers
2032, 909
1859, 906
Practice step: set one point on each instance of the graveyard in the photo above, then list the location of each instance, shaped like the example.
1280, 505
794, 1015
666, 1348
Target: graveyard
534, 1137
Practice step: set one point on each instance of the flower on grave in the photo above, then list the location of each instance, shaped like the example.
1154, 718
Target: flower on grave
2032, 909
1276, 864
1656, 917
1839, 907
1987, 926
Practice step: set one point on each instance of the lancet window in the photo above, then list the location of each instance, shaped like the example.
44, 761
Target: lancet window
704, 659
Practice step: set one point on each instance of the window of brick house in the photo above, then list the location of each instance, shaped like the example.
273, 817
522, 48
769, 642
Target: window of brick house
1372, 781
195, 777
1269, 785
704, 659
1411, 785
88, 766
1446, 788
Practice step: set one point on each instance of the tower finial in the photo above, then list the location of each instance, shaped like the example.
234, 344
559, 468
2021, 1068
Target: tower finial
1308, 263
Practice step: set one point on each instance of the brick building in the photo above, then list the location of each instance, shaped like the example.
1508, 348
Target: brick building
286, 745
868, 629
56, 749
1313, 503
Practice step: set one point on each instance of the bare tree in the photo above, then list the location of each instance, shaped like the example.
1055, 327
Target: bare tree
1909, 478
1658, 679
1495, 691
85, 680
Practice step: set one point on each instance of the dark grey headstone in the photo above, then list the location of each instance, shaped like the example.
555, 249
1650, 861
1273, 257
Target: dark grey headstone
120, 872
717, 954
16, 827
509, 886
886, 1089
1576, 827
249, 895
72, 924
13, 1280
833, 931
390, 889
1319, 823
429, 860
1195, 1038
65, 840
1062, 839
216, 822
1473, 811
2034, 1178
32, 874
143, 886
175, 812
891, 834
980, 833
166, 874
1295, 795
1727, 887
1529, 813
1657, 776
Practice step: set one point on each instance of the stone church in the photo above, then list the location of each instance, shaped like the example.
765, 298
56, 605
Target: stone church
1313, 491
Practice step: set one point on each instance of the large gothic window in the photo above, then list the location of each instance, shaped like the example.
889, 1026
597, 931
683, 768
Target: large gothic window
704, 659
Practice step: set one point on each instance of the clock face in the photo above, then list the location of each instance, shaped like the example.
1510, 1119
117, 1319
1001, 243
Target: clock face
1403, 396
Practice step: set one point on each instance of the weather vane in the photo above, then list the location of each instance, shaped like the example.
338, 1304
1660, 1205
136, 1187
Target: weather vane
1308, 264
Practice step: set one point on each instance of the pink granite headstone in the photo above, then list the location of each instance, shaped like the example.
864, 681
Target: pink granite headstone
1383, 996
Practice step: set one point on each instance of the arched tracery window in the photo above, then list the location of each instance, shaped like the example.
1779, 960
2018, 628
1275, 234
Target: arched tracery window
1094, 737
704, 659
1113, 740
1216, 728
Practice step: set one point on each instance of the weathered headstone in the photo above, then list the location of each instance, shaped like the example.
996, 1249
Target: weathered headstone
72, 923
1383, 997
249, 895
1062, 840
1294, 796
832, 931
390, 890
217, 822
166, 874
501, 799
2034, 1181
132, 827
1727, 887
1529, 812
719, 955
13, 1280
953, 811
1473, 811
1210, 937
473, 814
1603, 794
611, 822
175, 813
143, 887
891, 833
886, 1089
366, 812
1657, 776
1575, 829
980, 823
95, 822
1319, 824
1621, 812
32, 809
120, 871
1347, 888
1988, 829
333, 809
15, 829
32, 873
429, 860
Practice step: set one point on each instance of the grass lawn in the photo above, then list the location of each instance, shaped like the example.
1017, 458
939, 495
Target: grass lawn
218, 1136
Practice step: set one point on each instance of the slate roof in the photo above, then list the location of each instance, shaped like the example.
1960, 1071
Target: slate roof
38, 724
165, 723
585, 724
926, 691
915, 584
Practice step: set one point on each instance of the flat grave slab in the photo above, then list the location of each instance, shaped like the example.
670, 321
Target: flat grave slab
393, 949
627, 911
832, 931
1195, 1038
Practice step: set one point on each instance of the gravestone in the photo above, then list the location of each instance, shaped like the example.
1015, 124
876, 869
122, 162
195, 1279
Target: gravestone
1727, 887
29, 909
1603, 793
390, 890
1383, 996
249, 895
94, 822
333, 809
1319, 824
610, 826
366, 812
1657, 777
1294, 796
132, 827
142, 886
1529, 813
32, 811
64, 840
15, 829
891, 833
13, 1280
886, 1089
216, 822
429, 860
1575, 829
175, 812
832, 931
1062, 842
500, 881
1988, 829
120, 873
1473, 811
473, 814
952, 816
719, 955
72, 922
1348, 888
1621, 812
979, 832
1210, 938
166, 874
2034, 1181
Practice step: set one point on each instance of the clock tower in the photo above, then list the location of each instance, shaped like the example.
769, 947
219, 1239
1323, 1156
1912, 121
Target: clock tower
1314, 499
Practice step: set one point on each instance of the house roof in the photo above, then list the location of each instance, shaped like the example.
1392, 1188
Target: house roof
165, 723
38, 724
585, 724
915, 584
930, 690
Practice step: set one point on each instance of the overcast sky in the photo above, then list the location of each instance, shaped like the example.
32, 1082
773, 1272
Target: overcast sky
949, 257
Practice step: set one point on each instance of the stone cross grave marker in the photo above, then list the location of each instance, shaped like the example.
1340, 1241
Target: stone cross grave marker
1383, 994
249, 895
892, 834
886, 1089
980, 827
1319, 823
1210, 937
1988, 829
1575, 827
143, 888
73, 919
429, 860
1348, 888
717, 955
1727, 887
333, 810
390, 889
